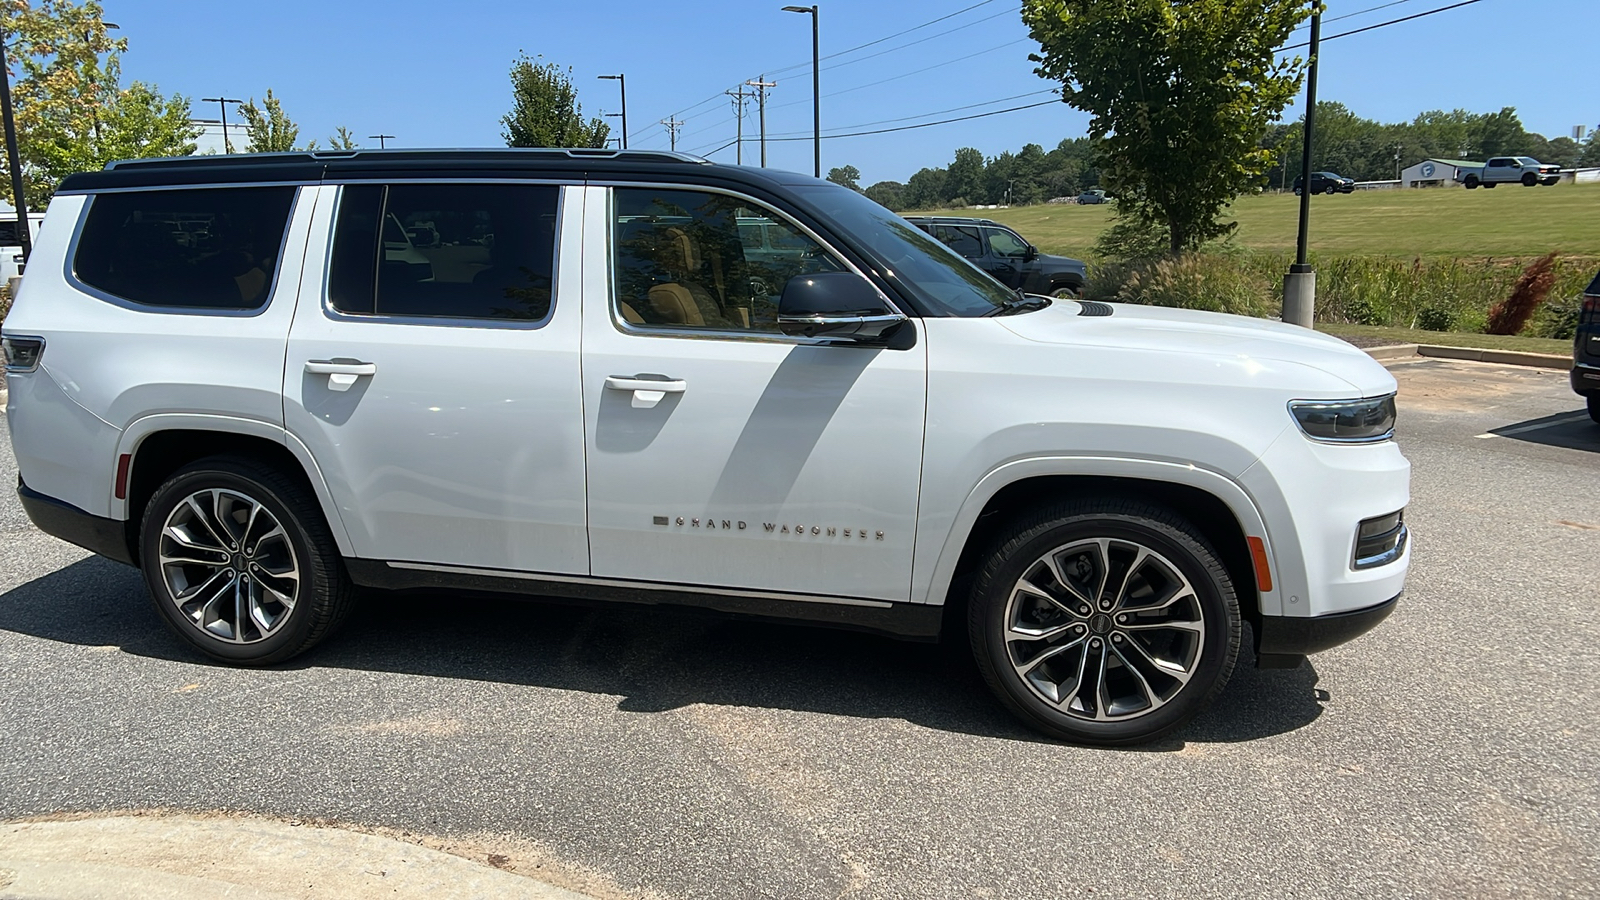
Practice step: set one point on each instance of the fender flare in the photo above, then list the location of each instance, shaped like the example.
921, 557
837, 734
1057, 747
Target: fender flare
1288, 572
136, 432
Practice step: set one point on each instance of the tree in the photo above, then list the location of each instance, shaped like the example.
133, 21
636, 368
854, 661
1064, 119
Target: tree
888, 194
269, 129
1499, 134
1179, 94
545, 110
342, 140
926, 189
846, 175
72, 115
965, 180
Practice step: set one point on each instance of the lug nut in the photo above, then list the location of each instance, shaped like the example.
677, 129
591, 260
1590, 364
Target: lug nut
1105, 604
1117, 638
1084, 609
1095, 643
1122, 620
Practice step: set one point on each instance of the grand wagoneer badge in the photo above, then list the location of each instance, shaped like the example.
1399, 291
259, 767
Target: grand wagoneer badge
768, 527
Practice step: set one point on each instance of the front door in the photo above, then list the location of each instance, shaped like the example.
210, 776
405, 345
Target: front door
433, 373
722, 453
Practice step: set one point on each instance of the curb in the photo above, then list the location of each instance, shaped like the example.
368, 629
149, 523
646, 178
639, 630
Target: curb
1472, 354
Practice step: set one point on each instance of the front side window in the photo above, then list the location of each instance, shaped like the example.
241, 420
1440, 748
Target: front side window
200, 248
461, 251
696, 259
1004, 243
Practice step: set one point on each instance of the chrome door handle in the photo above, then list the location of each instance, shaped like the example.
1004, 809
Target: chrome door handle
648, 390
341, 375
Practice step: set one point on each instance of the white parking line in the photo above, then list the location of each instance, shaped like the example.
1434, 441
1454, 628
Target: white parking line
1535, 427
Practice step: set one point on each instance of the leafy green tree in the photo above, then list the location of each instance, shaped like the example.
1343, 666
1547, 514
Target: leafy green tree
1179, 96
926, 189
966, 176
545, 111
342, 140
888, 194
72, 115
1499, 134
269, 129
849, 176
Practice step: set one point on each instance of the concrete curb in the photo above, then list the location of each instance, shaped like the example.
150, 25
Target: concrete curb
186, 858
1472, 354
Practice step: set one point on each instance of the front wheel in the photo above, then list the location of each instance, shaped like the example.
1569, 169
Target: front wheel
1066, 292
1529, 179
1594, 407
1104, 621
240, 562
1332, 189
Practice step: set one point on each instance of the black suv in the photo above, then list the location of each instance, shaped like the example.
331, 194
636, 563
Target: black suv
1004, 254
1326, 183
1586, 350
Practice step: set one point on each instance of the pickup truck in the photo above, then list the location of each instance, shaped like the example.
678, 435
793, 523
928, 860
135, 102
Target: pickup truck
1511, 170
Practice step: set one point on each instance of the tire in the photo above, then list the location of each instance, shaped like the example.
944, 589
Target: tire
246, 519
1036, 646
1594, 407
1298, 192
1332, 189
1066, 291
1529, 179
1471, 181
1489, 184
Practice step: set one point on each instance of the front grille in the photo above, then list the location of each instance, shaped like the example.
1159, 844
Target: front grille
1379, 541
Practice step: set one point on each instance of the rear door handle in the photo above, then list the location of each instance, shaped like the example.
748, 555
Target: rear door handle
341, 375
648, 390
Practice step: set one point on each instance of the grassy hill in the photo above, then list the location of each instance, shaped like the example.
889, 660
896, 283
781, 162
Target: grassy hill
1507, 221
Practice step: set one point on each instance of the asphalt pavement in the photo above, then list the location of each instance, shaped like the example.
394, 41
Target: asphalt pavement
644, 752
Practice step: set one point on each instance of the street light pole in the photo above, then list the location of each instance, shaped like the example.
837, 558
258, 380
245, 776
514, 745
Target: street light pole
816, 90
1300, 285
622, 83
15, 158
227, 147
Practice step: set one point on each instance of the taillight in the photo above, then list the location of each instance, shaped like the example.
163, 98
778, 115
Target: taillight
22, 353
1591, 310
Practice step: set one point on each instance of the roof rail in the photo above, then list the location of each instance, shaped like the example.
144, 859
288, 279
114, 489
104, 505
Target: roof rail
314, 156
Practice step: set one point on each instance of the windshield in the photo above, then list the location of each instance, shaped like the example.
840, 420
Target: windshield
944, 282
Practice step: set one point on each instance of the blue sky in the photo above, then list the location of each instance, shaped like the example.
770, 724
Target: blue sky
435, 74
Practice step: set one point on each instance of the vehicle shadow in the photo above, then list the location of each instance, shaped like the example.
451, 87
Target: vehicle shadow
1572, 430
655, 658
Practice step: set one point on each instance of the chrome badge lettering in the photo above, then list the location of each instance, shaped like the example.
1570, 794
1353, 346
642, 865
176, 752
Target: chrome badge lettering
831, 531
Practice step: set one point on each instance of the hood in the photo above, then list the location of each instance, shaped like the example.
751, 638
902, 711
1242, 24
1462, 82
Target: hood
1064, 262
1187, 332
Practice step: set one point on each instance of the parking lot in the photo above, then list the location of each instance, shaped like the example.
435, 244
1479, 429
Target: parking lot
648, 752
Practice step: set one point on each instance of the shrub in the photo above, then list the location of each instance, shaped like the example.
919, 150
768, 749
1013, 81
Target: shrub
1436, 318
1194, 281
1511, 314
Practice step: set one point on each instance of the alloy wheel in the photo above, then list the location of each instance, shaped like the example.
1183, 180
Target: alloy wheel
1104, 629
228, 566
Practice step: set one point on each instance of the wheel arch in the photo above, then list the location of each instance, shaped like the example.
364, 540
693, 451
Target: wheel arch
160, 445
1217, 506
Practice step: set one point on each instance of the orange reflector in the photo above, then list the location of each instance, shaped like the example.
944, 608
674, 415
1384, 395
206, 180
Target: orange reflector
1258, 555
123, 462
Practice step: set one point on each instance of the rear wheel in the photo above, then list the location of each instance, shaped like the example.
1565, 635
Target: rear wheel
1104, 621
1489, 184
1594, 407
240, 563
1298, 192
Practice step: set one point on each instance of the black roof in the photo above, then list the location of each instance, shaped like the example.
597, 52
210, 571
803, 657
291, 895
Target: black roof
316, 166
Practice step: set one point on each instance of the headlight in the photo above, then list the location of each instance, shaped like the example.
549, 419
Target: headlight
1345, 421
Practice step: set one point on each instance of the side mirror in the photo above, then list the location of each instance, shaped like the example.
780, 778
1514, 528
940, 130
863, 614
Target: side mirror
1030, 254
840, 305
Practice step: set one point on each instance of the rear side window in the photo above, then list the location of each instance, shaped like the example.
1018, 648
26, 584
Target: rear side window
201, 248
464, 251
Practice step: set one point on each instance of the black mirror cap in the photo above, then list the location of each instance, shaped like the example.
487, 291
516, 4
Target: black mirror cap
1030, 254
838, 305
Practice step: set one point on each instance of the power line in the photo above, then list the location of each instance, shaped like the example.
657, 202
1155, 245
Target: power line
937, 65
851, 62
1359, 12
983, 115
1385, 24
935, 112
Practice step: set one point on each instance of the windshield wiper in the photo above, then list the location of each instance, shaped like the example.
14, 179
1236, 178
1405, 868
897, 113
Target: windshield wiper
1021, 304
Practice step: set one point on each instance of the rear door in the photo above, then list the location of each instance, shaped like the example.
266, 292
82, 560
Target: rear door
722, 453
432, 372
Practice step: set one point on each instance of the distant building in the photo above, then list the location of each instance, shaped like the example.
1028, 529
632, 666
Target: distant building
1437, 172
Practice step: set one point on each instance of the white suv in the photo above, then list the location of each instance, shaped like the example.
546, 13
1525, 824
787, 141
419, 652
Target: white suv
265, 380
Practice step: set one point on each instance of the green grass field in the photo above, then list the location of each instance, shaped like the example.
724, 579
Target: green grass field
1508, 221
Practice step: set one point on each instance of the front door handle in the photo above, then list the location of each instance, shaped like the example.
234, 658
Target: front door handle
341, 375
647, 390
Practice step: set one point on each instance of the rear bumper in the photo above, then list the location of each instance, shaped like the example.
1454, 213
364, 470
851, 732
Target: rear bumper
1283, 641
1586, 379
107, 537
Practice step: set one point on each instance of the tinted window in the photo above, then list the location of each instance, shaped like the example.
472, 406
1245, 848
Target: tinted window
683, 260
1004, 243
962, 239
206, 248
472, 251
8, 233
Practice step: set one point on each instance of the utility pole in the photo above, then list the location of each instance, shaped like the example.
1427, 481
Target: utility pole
761, 84
739, 97
382, 140
223, 102
1300, 285
1396, 162
622, 84
23, 236
672, 130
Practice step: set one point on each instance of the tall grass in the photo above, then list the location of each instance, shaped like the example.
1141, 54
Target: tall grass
1430, 293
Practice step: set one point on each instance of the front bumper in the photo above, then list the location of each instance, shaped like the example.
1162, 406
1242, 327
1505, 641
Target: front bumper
1282, 642
1586, 379
107, 537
